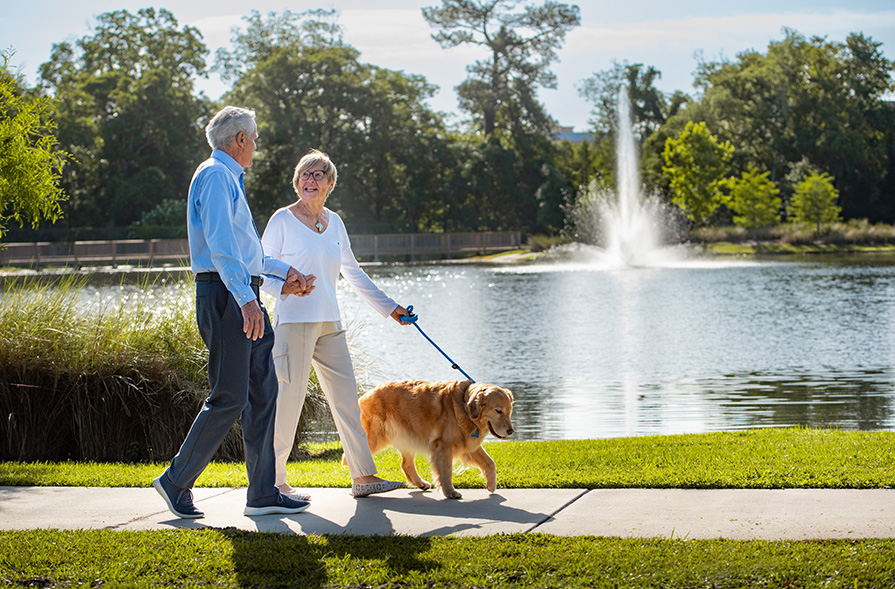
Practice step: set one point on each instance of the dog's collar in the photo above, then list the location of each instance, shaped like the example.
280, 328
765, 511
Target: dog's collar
475, 434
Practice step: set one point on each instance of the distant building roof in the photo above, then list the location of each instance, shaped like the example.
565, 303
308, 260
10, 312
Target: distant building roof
569, 134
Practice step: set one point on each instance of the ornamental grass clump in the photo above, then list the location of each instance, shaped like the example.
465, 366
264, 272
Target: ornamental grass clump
86, 378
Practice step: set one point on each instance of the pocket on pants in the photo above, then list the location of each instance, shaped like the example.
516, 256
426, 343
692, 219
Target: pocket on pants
281, 361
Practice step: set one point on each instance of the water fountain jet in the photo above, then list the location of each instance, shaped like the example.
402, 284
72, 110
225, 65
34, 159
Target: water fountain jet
626, 225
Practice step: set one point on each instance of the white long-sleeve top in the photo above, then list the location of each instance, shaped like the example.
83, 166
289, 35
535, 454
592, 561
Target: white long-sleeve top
325, 255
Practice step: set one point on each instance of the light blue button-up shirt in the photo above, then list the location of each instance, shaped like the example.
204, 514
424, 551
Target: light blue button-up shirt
222, 234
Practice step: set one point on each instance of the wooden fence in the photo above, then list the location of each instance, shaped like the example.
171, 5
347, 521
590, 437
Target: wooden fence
149, 252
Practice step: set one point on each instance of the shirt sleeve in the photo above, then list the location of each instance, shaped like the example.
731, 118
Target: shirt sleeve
217, 207
272, 242
361, 283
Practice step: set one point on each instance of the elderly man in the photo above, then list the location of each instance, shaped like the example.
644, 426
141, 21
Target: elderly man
227, 257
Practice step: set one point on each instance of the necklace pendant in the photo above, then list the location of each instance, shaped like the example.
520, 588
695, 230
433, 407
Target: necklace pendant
319, 226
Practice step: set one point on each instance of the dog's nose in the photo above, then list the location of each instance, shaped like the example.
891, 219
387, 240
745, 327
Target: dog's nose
510, 431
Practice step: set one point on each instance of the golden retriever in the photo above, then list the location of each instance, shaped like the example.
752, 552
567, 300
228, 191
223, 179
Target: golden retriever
446, 420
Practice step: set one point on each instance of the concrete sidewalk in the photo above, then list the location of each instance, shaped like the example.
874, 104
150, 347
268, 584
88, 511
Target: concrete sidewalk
796, 514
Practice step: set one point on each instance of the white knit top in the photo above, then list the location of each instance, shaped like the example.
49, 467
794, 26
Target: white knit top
325, 255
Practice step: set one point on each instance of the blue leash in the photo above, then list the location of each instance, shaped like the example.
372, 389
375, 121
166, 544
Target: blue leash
411, 318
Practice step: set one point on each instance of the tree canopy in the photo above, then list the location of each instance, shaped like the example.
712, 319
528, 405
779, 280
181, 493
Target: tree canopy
650, 107
30, 161
814, 201
755, 200
696, 163
501, 90
123, 97
126, 111
312, 91
807, 98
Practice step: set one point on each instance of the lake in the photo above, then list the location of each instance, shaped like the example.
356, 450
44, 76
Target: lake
594, 351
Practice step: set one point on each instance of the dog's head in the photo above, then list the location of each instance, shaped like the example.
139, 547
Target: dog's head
490, 407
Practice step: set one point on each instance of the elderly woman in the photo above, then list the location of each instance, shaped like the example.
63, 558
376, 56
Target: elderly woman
308, 329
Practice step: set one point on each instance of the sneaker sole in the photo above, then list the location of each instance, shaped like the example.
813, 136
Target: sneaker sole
157, 484
274, 509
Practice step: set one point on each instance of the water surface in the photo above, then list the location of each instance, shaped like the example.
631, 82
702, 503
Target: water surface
593, 351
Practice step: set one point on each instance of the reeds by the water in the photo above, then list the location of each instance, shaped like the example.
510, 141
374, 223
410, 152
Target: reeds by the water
87, 378
852, 232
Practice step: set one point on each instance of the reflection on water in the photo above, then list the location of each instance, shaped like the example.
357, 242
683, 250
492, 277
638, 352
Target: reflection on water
594, 352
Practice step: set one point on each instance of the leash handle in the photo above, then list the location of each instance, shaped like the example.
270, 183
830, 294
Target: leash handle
411, 318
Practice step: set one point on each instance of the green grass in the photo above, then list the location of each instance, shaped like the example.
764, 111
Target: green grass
766, 458
750, 459
233, 558
727, 248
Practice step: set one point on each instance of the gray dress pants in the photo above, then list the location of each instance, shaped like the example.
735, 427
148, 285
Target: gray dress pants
243, 383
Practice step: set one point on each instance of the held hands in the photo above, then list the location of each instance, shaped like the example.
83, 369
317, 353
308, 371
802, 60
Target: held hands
298, 284
252, 315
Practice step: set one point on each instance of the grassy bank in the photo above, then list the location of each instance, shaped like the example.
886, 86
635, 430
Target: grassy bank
768, 248
856, 236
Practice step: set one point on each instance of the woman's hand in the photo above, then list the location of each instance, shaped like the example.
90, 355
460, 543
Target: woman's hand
398, 312
298, 284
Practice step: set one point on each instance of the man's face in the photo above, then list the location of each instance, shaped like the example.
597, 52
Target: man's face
243, 148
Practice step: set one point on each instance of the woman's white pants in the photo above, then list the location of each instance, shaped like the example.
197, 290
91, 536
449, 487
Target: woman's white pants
297, 347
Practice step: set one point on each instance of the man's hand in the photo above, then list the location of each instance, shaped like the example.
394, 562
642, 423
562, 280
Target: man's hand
298, 284
252, 320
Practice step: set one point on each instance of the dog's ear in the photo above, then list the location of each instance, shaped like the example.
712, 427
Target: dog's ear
473, 402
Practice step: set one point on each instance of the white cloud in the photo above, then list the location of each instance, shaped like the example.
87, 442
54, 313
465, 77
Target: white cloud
216, 30
400, 36
736, 32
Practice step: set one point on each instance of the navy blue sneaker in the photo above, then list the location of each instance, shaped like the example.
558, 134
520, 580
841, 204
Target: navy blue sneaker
180, 501
279, 503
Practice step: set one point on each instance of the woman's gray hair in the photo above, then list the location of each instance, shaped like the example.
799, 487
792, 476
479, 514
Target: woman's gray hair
318, 160
229, 122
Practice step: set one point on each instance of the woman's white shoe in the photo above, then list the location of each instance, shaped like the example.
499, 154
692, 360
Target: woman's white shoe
365, 489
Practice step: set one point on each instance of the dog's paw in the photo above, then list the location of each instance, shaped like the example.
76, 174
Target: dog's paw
491, 486
424, 485
452, 494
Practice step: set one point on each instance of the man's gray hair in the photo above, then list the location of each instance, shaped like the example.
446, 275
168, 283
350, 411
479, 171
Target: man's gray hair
229, 122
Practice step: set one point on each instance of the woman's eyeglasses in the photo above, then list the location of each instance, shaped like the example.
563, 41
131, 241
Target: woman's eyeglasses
317, 175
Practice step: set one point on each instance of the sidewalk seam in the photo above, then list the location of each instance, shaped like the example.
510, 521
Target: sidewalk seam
550, 516
113, 527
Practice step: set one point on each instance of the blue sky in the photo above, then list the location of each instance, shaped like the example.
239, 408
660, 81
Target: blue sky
392, 34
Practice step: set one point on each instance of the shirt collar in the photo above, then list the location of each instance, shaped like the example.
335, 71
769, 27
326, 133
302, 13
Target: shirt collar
226, 159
